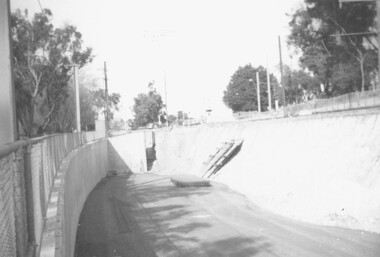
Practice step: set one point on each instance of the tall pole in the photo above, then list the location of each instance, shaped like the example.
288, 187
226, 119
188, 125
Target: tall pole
378, 41
8, 124
77, 99
281, 72
258, 92
269, 93
166, 102
106, 95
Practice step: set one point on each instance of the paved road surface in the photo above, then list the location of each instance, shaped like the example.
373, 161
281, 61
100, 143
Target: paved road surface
145, 215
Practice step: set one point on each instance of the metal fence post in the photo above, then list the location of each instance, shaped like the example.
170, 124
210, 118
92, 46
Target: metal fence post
20, 203
29, 198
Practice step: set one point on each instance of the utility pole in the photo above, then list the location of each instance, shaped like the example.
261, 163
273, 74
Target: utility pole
166, 102
378, 26
258, 92
282, 73
77, 99
106, 95
8, 124
269, 93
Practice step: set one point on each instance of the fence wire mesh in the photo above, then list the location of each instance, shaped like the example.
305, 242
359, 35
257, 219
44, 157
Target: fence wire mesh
22, 207
20, 203
355, 100
349, 101
36, 157
7, 214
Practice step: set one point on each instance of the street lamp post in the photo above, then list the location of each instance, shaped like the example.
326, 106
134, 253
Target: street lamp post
269, 93
281, 73
107, 101
258, 92
77, 99
166, 102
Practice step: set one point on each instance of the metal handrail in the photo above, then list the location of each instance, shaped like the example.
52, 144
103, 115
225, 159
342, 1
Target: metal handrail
14, 146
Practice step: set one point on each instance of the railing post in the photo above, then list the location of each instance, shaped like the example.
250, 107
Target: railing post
29, 198
20, 203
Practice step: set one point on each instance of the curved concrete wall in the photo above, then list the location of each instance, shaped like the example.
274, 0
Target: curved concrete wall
127, 153
323, 169
77, 176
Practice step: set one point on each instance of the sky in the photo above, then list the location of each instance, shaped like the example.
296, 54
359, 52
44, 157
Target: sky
196, 45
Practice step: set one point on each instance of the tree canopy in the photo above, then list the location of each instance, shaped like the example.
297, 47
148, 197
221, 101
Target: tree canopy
99, 102
148, 108
43, 60
336, 44
299, 86
92, 103
241, 93
64, 121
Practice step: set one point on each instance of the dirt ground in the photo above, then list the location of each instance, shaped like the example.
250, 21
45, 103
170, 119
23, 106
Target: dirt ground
146, 215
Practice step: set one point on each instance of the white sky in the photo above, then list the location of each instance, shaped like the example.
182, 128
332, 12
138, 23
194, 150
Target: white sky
199, 44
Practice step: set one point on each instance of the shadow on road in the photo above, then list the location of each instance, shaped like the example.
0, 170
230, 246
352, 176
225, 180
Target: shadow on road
146, 215
181, 226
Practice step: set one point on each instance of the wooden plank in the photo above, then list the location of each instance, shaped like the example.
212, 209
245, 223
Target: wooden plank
211, 156
221, 151
221, 162
189, 181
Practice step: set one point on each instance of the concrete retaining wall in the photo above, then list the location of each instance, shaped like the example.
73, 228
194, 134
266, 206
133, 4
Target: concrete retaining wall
323, 169
127, 153
77, 176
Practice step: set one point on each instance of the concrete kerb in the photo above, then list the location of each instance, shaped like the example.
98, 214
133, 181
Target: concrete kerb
51, 243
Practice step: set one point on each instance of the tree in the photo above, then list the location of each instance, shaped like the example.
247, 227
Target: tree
43, 59
182, 117
88, 112
65, 119
241, 93
92, 103
118, 125
172, 118
100, 103
299, 86
148, 108
333, 46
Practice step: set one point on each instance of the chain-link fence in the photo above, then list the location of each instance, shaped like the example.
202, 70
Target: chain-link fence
356, 100
258, 116
27, 172
7, 210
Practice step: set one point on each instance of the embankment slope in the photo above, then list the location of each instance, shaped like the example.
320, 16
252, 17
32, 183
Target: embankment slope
323, 169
